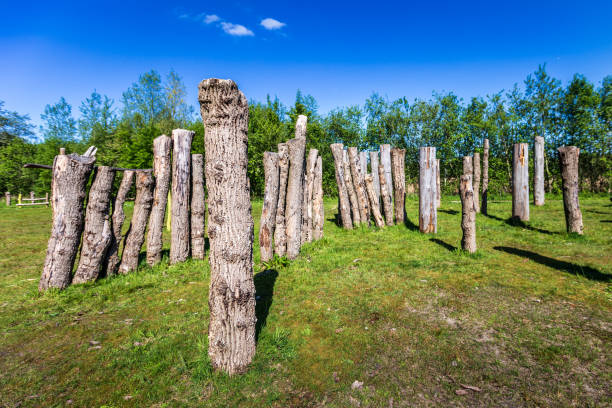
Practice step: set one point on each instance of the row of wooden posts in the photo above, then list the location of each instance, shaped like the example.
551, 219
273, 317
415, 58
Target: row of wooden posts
31, 201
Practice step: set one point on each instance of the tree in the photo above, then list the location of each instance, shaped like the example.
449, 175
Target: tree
59, 123
13, 126
145, 98
98, 118
579, 111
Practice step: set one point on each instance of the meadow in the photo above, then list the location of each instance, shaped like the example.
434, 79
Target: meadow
367, 317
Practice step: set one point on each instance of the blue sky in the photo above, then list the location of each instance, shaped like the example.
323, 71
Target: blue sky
339, 52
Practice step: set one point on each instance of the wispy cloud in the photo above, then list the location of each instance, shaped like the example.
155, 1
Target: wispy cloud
211, 18
271, 24
237, 30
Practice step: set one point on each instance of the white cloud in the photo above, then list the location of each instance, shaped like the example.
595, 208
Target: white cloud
211, 18
236, 29
272, 24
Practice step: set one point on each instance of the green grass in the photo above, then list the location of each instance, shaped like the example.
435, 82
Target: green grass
527, 319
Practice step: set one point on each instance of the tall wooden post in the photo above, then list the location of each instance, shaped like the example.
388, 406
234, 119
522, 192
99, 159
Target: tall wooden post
7, 196
468, 168
438, 192
428, 214
568, 159
198, 208
350, 186
318, 210
520, 182
112, 257
374, 162
162, 147
359, 184
399, 183
231, 333
268, 211
386, 197
343, 198
538, 171
468, 214
476, 180
378, 219
311, 163
181, 191
385, 160
280, 231
485, 176
295, 187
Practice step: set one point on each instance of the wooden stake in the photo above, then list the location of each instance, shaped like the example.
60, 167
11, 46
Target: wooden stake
374, 162
198, 207
268, 212
181, 191
476, 180
344, 207
311, 162
318, 210
485, 176
280, 229
386, 197
538, 171
428, 216
385, 160
295, 186
350, 187
438, 192
112, 258
399, 183
359, 184
162, 148
468, 214
568, 159
520, 182
378, 219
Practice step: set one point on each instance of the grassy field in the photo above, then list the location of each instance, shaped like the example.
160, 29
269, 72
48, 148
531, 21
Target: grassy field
527, 320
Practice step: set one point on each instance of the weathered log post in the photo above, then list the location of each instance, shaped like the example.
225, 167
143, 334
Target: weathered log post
311, 162
359, 184
136, 235
181, 191
374, 162
318, 210
268, 211
280, 231
476, 180
97, 232
198, 207
378, 219
350, 187
295, 187
485, 176
468, 214
112, 257
428, 214
438, 192
399, 183
538, 171
69, 180
343, 198
385, 160
31, 195
520, 182
386, 197
231, 333
568, 159
468, 168
363, 162
7, 196
162, 147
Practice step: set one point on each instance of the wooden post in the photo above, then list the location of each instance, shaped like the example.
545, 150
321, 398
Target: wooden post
311, 162
359, 184
520, 182
181, 191
97, 233
468, 214
162, 148
374, 162
70, 175
7, 196
485, 176
350, 187
295, 186
476, 180
47, 198
198, 207
468, 168
136, 235
231, 332
344, 207
568, 159
378, 219
318, 210
268, 212
363, 162
399, 183
31, 195
438, 192
169, 211
385, 160
428, 215
538, 171
280, 231
112, 257
386, 197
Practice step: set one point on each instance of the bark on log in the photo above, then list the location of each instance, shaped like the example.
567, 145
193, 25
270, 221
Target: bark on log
181, 191
359, 184
386, 197
231, 333
268, 211
136, 235
438, 192
112, 258
97, 232
428, 215
485, 176
378, 219
295, 196
350, 187
538, 171
520, 182
385, 159
311, 162
318, 210
363, 162
344, 207
476, 180
399, 183
468, 168
568, 159
280, 231
69, 181
374, 162
198, 207
468, 214
162, 147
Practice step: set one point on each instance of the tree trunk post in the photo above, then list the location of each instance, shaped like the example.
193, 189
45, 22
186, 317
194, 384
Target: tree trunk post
70, 175
280, 231
181, 191
359, 184
538, 171
136, 235
363, 162
345, 206
399, 183
428, 215
231, 333
31, 195
468, 214
268, 212
350, 186
112, 257
468, 168
385, 160
97, 232
386, 197
476, 180
311, 162
378, 219
295, 187
318, 210
520, 182
438, 192
7, 196
485, 176
568, 159
162, 147
374, 162
198, 207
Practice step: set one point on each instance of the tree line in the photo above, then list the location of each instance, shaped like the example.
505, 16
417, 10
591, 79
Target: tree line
578, 114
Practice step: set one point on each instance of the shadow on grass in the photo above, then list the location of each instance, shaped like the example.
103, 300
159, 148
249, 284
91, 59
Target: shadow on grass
264, 292
578, 270
515, 222
444, 244
605, 221
410, 225
451, 212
